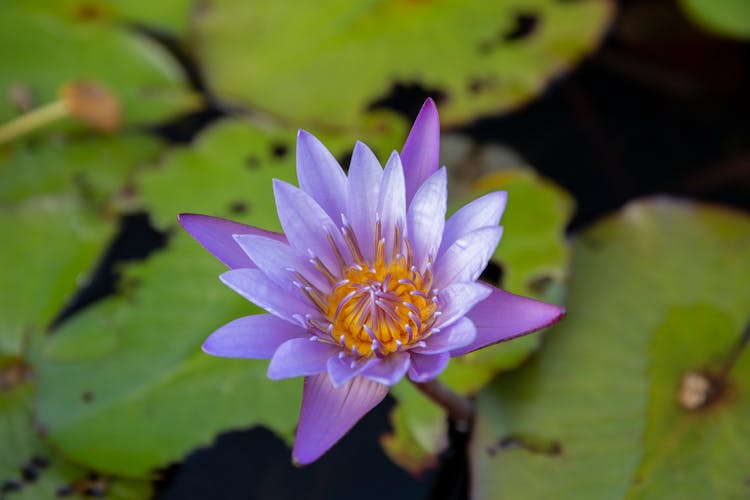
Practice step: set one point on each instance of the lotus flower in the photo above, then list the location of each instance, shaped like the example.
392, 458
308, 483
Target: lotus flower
369, 283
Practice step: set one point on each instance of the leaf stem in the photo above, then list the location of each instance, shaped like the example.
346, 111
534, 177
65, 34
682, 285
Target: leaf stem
33, 120
459, 408
735, 353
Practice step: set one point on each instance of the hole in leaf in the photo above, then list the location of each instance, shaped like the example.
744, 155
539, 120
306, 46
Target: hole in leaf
10, 485
29, 473
64, 491
407, 98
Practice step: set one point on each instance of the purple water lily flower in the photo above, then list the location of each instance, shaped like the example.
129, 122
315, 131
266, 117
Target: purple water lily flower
368, 283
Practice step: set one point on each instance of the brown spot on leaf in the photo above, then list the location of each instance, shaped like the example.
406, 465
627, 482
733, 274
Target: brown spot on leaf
87, 396
252, 162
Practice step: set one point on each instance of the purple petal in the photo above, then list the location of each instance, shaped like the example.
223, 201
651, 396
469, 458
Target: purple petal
253, 337
320, 175
460, 334
390, 369
426, 367
503, 316
306, 224
467, 257
260, 290
215, 235
280, 262
457, 299
391, 201
300, 357
341, 369
426, 217
421, 153
484, 211
365, 176
329, 412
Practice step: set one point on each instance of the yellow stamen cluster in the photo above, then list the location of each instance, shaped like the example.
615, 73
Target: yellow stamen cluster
382, 308
373, 308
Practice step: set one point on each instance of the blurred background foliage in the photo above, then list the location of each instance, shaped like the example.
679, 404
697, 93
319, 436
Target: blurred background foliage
115, 116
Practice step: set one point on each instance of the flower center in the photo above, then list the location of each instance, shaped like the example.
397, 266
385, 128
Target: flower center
381, 309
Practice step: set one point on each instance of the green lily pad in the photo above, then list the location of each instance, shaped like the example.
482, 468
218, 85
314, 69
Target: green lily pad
533, 257
326, 62
657, 291
58, 49
146, 394
227, 172
49, 245
30, 469
729, 18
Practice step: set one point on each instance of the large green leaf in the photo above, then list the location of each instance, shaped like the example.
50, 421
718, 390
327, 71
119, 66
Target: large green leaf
724, 17
59, 48
56, 199
124, 386
657, 291
49, 244
29, 468
325, 62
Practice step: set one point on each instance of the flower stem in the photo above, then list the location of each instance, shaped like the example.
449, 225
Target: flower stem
33, 120
459, 408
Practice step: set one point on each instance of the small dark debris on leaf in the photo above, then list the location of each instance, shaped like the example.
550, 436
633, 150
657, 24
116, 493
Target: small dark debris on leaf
279, 150
551, 448
87, 396
239, 207
540, 284
480, 84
